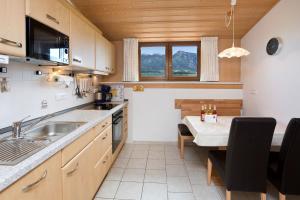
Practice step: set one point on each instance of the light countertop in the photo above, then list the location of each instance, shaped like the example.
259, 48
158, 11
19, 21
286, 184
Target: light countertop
10, 174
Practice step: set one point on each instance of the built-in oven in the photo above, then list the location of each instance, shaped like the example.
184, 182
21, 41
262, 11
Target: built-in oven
117, 129
45, 44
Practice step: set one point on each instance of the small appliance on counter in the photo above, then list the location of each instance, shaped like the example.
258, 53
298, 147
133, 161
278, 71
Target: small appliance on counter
103, 95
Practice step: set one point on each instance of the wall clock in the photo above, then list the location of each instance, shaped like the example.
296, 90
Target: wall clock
273, 46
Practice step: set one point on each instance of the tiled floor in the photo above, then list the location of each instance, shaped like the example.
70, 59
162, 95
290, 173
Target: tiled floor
156, 172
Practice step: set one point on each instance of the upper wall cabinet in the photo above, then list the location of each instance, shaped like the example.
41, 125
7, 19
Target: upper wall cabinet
101, 61
12, 31
82, 39
53, 13
105, 54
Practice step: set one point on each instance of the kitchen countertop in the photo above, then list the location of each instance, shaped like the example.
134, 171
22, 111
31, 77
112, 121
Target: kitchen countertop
10, 174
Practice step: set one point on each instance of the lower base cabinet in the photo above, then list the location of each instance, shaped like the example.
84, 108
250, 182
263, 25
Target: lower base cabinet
78, 177
44, 182
101, 168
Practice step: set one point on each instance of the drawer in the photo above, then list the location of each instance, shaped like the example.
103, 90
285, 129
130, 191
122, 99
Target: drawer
44, 182
101, 126
102, 167
74, 148
103, 141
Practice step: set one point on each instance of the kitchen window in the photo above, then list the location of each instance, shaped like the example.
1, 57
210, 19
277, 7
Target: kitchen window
178, 61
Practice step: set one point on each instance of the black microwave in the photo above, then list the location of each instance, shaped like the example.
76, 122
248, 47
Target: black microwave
45, 45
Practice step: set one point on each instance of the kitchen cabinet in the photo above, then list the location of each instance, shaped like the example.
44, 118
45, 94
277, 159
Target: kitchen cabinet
103, 141
78, 175
105, 54
44, 182
52, 13
102, 167
12, 31
82, 40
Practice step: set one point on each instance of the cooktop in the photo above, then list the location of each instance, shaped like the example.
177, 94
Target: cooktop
104, 106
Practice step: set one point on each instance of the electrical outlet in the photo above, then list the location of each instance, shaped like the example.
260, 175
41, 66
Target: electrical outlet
44, 104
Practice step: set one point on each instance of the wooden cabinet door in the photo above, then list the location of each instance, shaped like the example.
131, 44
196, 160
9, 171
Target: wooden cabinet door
44, 182
53, 13
82, 38
78, 175
101, 53
112, 58
12, 31
102, 167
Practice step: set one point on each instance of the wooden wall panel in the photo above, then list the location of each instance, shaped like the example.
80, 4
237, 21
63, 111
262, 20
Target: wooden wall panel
225, 107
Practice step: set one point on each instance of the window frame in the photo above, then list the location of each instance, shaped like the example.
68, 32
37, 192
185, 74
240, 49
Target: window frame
169, 68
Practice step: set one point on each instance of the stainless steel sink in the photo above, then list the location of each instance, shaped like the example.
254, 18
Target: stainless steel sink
52, 130
13, 151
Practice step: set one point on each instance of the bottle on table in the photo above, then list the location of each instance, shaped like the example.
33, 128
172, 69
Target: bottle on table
210, 111
202, 115
215, 110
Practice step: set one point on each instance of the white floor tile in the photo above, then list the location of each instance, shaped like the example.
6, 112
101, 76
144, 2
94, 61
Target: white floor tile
174, 162
156, 155
198, 177
137, 163
108, 189
115, 174
181, 196
129, 190
139, 154
121, 162
176, 170
125, 154
155, 176
202, 192
157, 147
155, 191
156, 164
179, 184
141, 147
135, 175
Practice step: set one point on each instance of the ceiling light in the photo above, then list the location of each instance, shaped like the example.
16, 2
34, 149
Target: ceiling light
232, 51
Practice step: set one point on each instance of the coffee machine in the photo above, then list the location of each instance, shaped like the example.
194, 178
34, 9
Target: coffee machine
104, 95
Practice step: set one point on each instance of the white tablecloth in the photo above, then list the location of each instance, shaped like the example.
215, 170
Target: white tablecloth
217, 134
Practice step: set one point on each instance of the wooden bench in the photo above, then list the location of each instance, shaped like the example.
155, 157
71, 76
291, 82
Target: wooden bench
192, 107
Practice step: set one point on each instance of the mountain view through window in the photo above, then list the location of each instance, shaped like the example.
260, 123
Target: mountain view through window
169, 61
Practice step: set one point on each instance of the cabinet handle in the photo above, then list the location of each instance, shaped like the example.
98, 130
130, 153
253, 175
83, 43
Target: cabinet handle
104, 137
11, 43
52, 18
104, 161
103, 125
32, 185
77, 60
73, 170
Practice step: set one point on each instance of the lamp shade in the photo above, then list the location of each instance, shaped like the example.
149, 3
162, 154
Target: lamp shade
233, 52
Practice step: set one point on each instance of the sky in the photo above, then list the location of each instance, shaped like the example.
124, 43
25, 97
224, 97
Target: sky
161, 50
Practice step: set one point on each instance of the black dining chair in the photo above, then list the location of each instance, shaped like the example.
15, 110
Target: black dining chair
284, 166
243, 166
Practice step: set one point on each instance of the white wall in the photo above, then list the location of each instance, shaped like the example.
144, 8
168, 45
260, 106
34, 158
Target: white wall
152, 113
274, 79
28, 90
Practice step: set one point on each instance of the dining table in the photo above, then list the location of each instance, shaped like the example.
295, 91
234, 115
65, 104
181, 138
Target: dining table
216, 134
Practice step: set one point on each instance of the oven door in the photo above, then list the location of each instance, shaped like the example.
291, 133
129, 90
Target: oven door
45, 43
117, 130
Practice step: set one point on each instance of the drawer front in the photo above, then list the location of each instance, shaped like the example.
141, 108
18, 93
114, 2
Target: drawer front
78, 176
103, 141
44, 182
102, 167
73, 149
103, 125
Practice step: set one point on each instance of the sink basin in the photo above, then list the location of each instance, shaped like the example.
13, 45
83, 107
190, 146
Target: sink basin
13, 151
52, 130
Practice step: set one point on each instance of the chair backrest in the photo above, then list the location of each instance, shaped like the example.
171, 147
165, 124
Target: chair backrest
248, 153
289, 162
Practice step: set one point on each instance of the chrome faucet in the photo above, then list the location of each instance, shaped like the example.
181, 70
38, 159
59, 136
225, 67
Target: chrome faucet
17, 126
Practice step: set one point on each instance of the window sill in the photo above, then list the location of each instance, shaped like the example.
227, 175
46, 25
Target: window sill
182, 84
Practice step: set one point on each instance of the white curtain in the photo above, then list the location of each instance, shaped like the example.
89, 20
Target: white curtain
131, 59
209, 59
